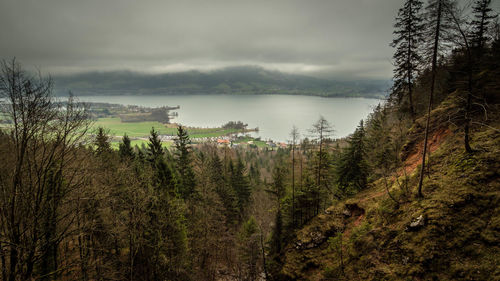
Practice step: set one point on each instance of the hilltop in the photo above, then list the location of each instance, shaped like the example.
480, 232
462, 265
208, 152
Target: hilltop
232, 80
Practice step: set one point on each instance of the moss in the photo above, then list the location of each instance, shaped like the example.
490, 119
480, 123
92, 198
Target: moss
458, 241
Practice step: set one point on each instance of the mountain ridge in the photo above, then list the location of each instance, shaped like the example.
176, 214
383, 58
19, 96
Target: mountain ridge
231, 80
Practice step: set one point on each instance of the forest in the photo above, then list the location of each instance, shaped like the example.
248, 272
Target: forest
412, 194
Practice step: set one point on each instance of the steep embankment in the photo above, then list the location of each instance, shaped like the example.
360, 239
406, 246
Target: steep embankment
450, 234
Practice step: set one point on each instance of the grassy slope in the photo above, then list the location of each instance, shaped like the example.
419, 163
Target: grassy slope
459, 240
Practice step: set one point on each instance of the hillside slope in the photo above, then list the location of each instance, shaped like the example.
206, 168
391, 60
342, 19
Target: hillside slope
450, 234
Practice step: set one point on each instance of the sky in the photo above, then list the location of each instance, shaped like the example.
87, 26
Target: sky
327, 38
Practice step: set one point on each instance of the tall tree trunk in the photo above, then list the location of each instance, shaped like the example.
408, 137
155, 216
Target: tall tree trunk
264, 266
433, 81
293, 182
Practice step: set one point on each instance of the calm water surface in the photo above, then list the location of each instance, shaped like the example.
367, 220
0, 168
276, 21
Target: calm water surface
274, 115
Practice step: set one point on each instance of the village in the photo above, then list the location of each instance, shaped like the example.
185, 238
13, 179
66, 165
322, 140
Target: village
232, 140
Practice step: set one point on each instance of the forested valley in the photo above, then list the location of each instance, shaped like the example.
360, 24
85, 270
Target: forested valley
412, 194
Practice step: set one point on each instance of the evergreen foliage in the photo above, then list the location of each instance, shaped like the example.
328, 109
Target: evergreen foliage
224, 190
248, 252
483, 17
240, 184
155, 149
125, 149
102, 142
186, 178
409, 34
352, 169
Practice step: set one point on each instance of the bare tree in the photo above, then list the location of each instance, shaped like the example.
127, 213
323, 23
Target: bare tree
436, 19
41, 171
323, 130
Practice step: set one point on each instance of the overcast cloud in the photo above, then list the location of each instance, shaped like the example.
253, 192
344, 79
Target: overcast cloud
338, 38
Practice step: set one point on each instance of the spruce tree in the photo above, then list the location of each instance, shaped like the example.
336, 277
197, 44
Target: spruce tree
225, 193
155, 149
240, 184
164, 178
102, 142
186, 184
482, 19
125, 149
248, 249
323, 130
279, 191
352, 169
407, 58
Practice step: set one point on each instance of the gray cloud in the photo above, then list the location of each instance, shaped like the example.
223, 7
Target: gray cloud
343, 38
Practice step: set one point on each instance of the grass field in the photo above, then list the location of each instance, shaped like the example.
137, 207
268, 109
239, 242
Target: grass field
115, 143
139, 129
142, 129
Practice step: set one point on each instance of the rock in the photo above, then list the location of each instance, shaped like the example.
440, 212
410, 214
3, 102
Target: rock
346, 213
315, 240
405, 260
416, 224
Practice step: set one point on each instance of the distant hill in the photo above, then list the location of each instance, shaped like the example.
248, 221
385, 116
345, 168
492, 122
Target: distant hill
231, 80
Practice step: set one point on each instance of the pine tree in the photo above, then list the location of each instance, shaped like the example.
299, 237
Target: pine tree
240, 184
482, 19
352, 170
458, 23
186, 184
249, 250
279, 191
155, 149
125, 149
407, 58
323, 130
226, 194
164, 178
102, 142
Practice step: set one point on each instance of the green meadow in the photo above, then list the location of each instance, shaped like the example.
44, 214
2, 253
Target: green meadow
142, 129
136, 129
258, 143
115, 144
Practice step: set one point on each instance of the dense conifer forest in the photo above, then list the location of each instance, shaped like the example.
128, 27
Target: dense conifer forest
412, 194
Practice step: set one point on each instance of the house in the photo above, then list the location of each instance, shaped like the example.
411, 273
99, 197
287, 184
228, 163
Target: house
223, 141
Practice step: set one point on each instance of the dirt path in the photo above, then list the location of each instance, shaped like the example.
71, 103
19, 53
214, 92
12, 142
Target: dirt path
414, 159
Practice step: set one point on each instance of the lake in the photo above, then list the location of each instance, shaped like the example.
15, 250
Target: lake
274, 115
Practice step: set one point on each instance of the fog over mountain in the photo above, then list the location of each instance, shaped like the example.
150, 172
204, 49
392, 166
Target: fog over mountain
230, 80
